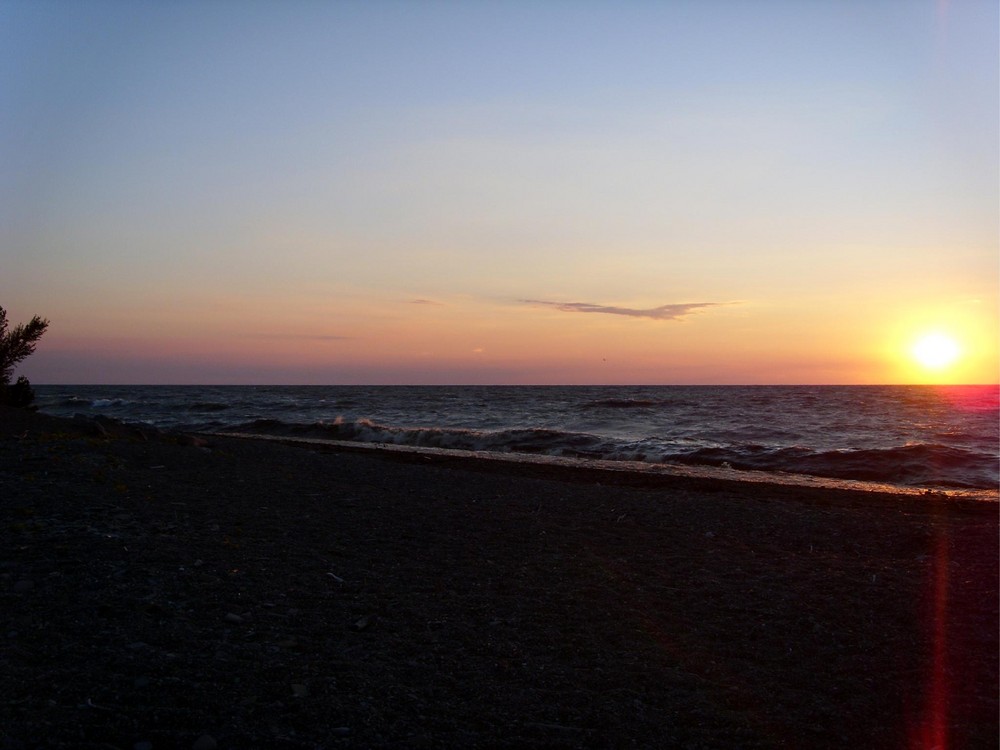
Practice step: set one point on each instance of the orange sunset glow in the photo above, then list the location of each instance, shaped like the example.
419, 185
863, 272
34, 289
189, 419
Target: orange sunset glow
337, 196
500, 373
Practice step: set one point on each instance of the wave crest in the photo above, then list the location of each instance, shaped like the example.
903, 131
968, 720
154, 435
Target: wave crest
912, 465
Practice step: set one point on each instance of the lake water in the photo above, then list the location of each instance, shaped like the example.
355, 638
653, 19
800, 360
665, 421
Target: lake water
937, 437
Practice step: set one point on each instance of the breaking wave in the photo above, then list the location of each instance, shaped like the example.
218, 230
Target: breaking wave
911, 465
916, 436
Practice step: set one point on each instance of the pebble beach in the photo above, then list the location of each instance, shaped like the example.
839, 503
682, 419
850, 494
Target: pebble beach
162, 590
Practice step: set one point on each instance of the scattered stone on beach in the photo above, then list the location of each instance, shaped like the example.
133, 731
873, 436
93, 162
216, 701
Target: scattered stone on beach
363, 623
529, 620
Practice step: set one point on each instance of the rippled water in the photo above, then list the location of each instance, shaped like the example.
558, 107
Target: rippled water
916, 436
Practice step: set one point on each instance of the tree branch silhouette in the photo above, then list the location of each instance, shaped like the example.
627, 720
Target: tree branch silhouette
16, 344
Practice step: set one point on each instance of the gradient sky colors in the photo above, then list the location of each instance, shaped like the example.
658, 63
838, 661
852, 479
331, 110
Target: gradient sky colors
500, 192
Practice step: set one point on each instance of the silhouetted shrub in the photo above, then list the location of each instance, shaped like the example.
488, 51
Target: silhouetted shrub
20, 394
15, 345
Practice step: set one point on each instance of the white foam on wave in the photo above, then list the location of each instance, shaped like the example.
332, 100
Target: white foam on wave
103, 403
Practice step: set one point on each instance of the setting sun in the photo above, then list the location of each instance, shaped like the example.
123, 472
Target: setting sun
936, 351
943, 344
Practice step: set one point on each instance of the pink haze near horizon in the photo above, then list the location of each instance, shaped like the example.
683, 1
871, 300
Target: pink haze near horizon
500, 192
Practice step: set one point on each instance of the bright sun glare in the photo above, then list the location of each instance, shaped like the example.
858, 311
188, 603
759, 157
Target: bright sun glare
936, 351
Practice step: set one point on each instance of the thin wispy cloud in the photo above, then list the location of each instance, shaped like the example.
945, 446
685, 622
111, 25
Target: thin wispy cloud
299, 336
426, 302
676, 311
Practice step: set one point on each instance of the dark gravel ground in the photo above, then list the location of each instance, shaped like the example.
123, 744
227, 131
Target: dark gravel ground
159, 593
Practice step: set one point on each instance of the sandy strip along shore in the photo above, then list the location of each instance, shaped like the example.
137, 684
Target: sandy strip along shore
159, 592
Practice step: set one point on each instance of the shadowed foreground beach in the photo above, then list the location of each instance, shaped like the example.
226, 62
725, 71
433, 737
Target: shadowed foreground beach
157, 592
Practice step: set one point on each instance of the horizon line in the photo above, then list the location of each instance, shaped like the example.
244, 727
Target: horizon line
518, 385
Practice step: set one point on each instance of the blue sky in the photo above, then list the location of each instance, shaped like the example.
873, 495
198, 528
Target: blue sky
191, 191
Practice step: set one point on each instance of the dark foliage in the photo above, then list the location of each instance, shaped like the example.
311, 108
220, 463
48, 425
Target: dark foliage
19, 395
16, 344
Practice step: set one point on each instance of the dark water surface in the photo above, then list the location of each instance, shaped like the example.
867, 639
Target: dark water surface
910, 436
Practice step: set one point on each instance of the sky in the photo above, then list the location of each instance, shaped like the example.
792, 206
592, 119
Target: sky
501, 192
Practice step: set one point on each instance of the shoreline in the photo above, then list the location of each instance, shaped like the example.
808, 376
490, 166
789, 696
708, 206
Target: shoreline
902, 438
156, 588
636, 473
